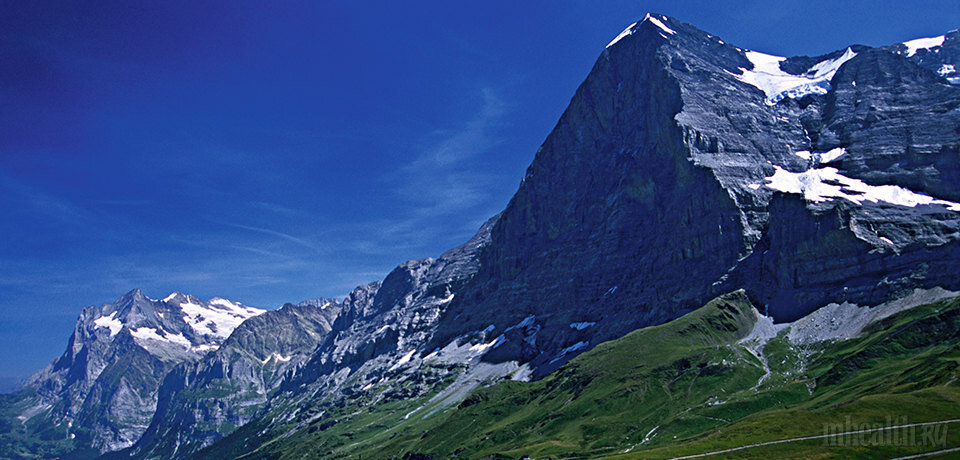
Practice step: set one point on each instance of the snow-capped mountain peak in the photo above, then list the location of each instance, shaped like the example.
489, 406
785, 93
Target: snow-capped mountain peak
176, 325
656, 20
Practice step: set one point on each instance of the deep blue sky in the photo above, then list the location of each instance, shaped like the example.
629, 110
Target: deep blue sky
269, 154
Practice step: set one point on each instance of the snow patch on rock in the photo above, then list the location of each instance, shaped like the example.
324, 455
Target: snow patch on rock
149, 333
529, 320
626, 32
949, 71
923, 43
403, 360
219, 319
822, 157
110, 322
572, 348
482, 348
778, 85
146, 333
653, 20
203, 348
824, 184
276, 357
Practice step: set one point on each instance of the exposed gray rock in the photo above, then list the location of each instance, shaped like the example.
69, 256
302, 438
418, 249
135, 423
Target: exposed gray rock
373, 342
683, 168
941, 57
654, 193
200, 402
379, 346
675, 175
846, 321
104, 387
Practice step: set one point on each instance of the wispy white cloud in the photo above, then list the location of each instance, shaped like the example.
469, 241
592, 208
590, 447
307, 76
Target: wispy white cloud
440, 188
450, 147
444, 180
278, 234
261, 252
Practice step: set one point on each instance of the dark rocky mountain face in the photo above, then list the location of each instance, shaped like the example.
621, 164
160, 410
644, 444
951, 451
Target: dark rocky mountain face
610, 215
661, 185
684, 168
939, 54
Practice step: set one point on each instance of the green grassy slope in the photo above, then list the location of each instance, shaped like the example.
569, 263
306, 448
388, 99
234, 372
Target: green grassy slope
681, 388
36, 437
611, 395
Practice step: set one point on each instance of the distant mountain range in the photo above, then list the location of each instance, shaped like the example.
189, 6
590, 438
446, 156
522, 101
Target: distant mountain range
723, 237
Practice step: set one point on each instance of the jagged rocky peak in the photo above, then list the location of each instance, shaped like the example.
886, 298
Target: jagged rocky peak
175, 328
198, 403
814, 138
292, 329
320, 302
686, 167
107, 379
318, 347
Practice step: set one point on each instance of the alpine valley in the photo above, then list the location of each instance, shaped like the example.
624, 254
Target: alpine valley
713, 249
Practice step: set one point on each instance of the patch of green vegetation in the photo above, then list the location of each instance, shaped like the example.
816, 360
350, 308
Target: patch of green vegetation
883, 410
903, 369
35, 437
611, 395
634, 390
682, 388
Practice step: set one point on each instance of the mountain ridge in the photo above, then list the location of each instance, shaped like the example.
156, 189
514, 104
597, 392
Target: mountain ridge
595, 234
684, 168
106, 381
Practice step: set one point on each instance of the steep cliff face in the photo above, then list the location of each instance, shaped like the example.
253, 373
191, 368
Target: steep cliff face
379, 340
939, 54
201, 402
655, 188
683, 168
103, 390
